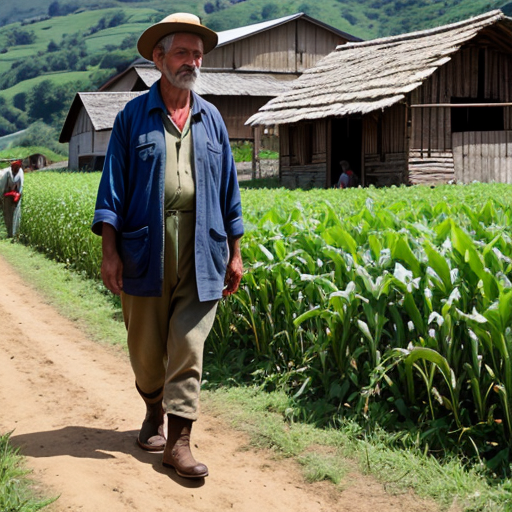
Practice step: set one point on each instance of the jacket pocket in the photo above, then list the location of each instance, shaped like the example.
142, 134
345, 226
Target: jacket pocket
146, 150
219, 250
215, 160
135, 252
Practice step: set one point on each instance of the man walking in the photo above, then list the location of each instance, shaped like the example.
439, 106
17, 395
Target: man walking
169, 213
12, 192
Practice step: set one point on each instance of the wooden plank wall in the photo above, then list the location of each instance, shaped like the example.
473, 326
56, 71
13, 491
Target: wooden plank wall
483, 156
392, 170
272, 50
303, 155
291, 47
313, 43
235, 111
304, 176
393, 131
432, 152
83, 123
436, 167
431, 127
126, 83
385, 160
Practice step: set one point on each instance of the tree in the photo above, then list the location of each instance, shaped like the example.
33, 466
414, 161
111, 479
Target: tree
20, 100
269, 11
209, 8
6, 127
19, 37
49, 102
52, 46
44, 100
54, 9
118, 59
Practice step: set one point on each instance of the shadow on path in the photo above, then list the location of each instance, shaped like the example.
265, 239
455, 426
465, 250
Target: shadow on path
93, 443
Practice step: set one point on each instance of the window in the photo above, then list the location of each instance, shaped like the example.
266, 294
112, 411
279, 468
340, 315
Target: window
476, 119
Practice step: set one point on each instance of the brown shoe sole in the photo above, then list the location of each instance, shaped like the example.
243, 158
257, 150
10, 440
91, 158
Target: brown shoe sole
203, 475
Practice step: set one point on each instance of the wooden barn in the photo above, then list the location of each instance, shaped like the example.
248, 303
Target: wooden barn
88, 127
250, 66
236, 95
426, 107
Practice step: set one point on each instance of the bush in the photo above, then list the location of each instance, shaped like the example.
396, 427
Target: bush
20, 100
18, 37
269, 11
119, 60
42, 135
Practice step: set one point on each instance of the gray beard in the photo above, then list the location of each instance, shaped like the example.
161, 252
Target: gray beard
181, 81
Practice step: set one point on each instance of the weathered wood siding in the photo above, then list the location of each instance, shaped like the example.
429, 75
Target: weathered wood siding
303, 155
291, 47
86, 141
432, 156
385, 147
384, 171
125, 83
235, 110
483, 156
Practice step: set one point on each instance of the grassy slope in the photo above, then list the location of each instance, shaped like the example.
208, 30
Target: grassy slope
55, 28
57, 78
23, 9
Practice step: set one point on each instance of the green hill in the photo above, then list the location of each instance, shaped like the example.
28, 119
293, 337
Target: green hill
50, 49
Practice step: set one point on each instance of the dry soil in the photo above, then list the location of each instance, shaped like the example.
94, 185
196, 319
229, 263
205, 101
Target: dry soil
74, 413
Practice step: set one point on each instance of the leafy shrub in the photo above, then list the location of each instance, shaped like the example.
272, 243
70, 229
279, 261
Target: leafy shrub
18, 37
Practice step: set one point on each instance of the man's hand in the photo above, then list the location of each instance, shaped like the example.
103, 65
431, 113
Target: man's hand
234, 269
111, 265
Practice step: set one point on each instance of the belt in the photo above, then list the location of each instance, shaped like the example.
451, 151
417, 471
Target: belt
170, 213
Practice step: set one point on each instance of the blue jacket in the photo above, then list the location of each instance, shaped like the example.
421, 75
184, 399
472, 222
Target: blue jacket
131, 195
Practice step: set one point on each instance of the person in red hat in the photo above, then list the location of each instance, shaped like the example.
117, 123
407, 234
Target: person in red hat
169, 213
12, 198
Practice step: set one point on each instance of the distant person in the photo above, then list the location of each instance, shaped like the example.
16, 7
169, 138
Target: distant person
348, 178
13, 189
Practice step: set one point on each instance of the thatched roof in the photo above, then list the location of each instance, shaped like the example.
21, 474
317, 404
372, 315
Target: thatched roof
101, 107
226, 83
358, 78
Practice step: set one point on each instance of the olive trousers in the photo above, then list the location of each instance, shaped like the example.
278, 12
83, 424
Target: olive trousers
166, 334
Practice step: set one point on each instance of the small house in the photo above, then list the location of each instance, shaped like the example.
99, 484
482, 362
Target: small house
432, 106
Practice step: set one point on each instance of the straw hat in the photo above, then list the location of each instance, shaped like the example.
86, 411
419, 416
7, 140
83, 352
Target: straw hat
177, 22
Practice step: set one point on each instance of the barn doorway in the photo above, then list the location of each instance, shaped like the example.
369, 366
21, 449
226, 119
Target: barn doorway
346, 144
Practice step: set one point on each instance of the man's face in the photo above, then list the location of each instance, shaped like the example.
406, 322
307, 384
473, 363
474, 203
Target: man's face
15, 167
180, 65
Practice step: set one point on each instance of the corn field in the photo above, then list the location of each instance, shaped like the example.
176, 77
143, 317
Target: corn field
391, 306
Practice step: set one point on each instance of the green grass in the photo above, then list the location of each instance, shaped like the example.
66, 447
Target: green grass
113, 36
23, 152
328, 454
61, 78
17, 493
84, 301
22, 9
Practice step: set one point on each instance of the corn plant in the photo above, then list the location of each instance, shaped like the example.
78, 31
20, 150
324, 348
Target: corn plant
392, 306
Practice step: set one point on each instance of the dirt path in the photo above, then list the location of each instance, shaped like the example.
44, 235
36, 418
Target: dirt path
75, 414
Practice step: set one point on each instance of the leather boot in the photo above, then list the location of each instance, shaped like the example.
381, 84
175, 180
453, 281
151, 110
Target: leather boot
177, 452
152, 435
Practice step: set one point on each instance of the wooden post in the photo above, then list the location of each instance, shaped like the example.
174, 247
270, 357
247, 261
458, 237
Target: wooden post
256, 152
328, 152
